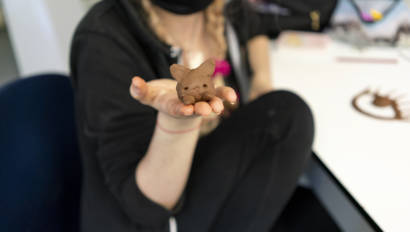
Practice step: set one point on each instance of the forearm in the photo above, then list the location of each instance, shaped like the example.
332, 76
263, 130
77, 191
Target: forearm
259, 59
163, 172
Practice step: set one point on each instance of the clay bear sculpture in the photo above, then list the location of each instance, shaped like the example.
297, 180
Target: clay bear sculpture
194, 84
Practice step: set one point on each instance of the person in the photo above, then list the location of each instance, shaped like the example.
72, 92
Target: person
152, 163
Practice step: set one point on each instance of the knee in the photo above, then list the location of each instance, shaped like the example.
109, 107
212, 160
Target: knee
291, 109
300, 118
293, 103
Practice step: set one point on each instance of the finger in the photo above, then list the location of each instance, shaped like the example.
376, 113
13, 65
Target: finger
186, 110
202, 108
226, 93
216, 104
138, 88
147, 92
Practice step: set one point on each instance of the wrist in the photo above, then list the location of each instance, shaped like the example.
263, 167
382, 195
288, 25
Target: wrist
174, 125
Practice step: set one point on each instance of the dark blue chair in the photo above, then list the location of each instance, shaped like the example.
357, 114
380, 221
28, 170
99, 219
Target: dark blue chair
40, 172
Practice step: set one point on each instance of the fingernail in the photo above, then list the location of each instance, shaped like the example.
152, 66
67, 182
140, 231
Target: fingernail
136, 91
135, 82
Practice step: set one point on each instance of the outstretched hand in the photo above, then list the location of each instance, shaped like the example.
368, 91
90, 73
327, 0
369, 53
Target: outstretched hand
161, 94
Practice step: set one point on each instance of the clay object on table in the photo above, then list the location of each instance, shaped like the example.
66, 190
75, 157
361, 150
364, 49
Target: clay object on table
194, 85
381, 101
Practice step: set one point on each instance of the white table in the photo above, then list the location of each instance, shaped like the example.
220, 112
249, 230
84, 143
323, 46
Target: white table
369, 157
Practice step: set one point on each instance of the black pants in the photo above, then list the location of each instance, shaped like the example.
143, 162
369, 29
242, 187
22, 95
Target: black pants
245, 171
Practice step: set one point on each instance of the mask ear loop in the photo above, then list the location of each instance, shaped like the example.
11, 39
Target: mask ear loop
397, 113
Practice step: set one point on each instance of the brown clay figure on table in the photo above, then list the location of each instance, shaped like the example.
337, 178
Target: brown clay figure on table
194, 84
382, 101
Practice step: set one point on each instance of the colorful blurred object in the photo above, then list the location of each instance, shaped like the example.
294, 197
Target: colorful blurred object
222, 67
369, 26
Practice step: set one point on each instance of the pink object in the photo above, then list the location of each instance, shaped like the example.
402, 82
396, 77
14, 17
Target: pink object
367, 17
222, 67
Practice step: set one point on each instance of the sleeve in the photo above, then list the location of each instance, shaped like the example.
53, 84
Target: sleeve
102, 70
248, 23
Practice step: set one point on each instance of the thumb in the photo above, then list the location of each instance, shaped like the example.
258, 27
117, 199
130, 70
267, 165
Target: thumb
138, 88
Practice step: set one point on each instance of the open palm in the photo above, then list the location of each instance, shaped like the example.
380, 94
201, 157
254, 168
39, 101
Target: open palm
161, 94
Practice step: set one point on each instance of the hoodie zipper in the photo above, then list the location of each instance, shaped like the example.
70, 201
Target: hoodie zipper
173, 224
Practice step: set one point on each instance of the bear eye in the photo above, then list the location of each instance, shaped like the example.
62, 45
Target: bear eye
205, 85
186, 88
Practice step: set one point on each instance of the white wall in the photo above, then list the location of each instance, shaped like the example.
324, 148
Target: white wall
41, 31
2, 23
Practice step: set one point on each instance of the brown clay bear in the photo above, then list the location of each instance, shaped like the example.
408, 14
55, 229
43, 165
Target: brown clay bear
194, 84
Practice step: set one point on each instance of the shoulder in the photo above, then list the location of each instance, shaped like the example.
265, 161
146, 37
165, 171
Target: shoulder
121, 22
106, 26
99, 18
108, 20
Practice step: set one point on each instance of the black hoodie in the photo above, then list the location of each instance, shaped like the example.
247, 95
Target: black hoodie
111, 45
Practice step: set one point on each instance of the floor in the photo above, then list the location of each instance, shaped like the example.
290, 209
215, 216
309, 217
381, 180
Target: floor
304, 213
8, 66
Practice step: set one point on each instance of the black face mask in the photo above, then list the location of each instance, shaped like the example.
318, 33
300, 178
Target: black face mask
182, 6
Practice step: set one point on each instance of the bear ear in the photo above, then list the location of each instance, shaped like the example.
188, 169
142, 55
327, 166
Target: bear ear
178, 71
208, 67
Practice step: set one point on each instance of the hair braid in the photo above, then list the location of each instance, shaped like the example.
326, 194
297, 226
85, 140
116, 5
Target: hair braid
155, 23
215, 25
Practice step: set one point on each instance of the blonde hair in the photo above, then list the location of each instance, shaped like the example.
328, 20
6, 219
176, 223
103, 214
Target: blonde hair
214, 24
